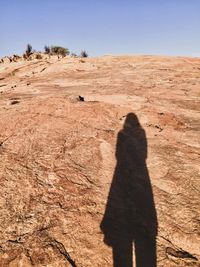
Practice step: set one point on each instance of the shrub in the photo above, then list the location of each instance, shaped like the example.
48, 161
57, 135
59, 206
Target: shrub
84, 54
47, 49
29, 49
38, 56
59, 50
24, 56
74, 55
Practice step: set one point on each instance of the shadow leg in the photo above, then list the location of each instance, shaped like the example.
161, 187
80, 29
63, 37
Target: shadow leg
123, 254
145, 251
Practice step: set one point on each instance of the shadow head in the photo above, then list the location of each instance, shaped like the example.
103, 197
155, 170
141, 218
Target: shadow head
131, 122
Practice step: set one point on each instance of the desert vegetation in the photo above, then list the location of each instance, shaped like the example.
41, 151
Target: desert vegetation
47, 49
59, 50
56, 50
53, 50
28, 51
73, 54
84, 53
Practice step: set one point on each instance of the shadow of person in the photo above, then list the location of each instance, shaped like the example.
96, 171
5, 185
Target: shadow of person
130, 215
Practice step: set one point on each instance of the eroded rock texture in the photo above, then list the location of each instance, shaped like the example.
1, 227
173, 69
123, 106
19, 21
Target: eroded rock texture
114, 177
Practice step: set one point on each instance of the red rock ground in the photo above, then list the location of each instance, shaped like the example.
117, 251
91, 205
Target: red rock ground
66, 166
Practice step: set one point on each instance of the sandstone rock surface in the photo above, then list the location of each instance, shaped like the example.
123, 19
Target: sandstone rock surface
66, 165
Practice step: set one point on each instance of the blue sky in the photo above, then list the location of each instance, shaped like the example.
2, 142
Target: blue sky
156, 27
